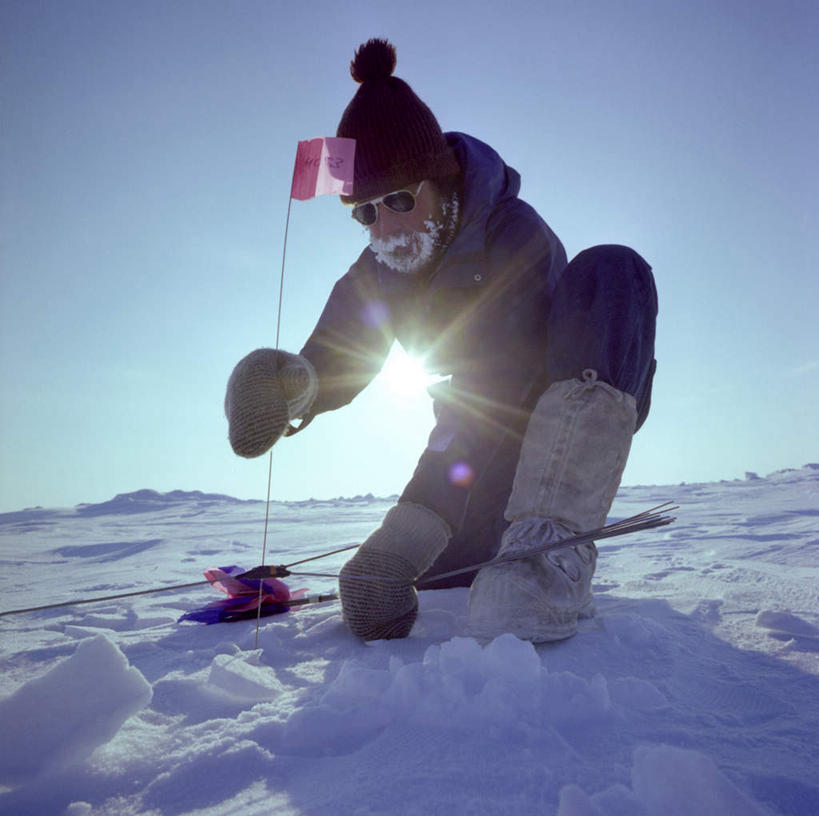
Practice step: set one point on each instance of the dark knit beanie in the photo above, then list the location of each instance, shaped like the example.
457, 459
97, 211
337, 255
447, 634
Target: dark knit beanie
398, 139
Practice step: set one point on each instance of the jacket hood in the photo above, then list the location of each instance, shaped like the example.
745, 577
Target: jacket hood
487, 180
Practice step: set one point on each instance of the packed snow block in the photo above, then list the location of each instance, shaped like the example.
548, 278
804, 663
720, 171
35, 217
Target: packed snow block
232, 675
58, 719
678, 782
574, 801
786, 623
502, 686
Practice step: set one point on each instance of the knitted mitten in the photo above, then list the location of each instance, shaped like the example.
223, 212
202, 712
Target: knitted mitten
266, 390
378, 598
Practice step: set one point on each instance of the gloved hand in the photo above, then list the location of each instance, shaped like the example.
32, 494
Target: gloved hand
267, 390
378, 599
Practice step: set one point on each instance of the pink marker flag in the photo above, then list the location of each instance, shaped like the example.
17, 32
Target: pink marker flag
324, 166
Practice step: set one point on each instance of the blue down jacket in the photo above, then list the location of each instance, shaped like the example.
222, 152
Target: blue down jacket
478, 316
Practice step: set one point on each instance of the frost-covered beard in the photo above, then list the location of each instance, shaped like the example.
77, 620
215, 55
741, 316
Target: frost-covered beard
411, 252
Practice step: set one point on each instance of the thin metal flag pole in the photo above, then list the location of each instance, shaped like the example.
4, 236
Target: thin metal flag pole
270, 457
322, 166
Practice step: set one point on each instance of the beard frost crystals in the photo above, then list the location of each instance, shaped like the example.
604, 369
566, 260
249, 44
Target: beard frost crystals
410, 252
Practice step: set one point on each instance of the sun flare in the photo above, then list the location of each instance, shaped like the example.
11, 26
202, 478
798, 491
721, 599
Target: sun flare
404, 374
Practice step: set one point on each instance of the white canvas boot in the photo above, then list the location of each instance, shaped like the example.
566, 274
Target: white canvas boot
571, 462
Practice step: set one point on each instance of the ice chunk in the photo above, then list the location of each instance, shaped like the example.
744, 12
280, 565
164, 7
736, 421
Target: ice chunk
575, 802
58, 719
235, 676
512, 660
677, 782
786, 622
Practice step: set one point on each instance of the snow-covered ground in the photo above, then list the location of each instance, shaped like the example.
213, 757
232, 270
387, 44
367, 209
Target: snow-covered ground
695, 690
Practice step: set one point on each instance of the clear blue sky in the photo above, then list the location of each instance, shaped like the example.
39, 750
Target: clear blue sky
146, 158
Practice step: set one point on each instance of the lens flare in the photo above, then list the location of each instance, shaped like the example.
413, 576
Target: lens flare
405, 375
461, 475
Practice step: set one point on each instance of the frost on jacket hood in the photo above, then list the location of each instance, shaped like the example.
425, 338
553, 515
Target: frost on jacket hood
481, 311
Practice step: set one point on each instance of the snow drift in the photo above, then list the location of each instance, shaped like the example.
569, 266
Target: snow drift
693, 691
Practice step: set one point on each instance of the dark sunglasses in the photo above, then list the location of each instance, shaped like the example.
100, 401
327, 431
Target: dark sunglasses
401, 201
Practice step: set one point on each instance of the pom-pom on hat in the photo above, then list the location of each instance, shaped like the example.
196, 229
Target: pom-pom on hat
398, 139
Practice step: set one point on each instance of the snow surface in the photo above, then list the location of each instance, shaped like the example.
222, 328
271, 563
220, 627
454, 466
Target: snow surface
695, 689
